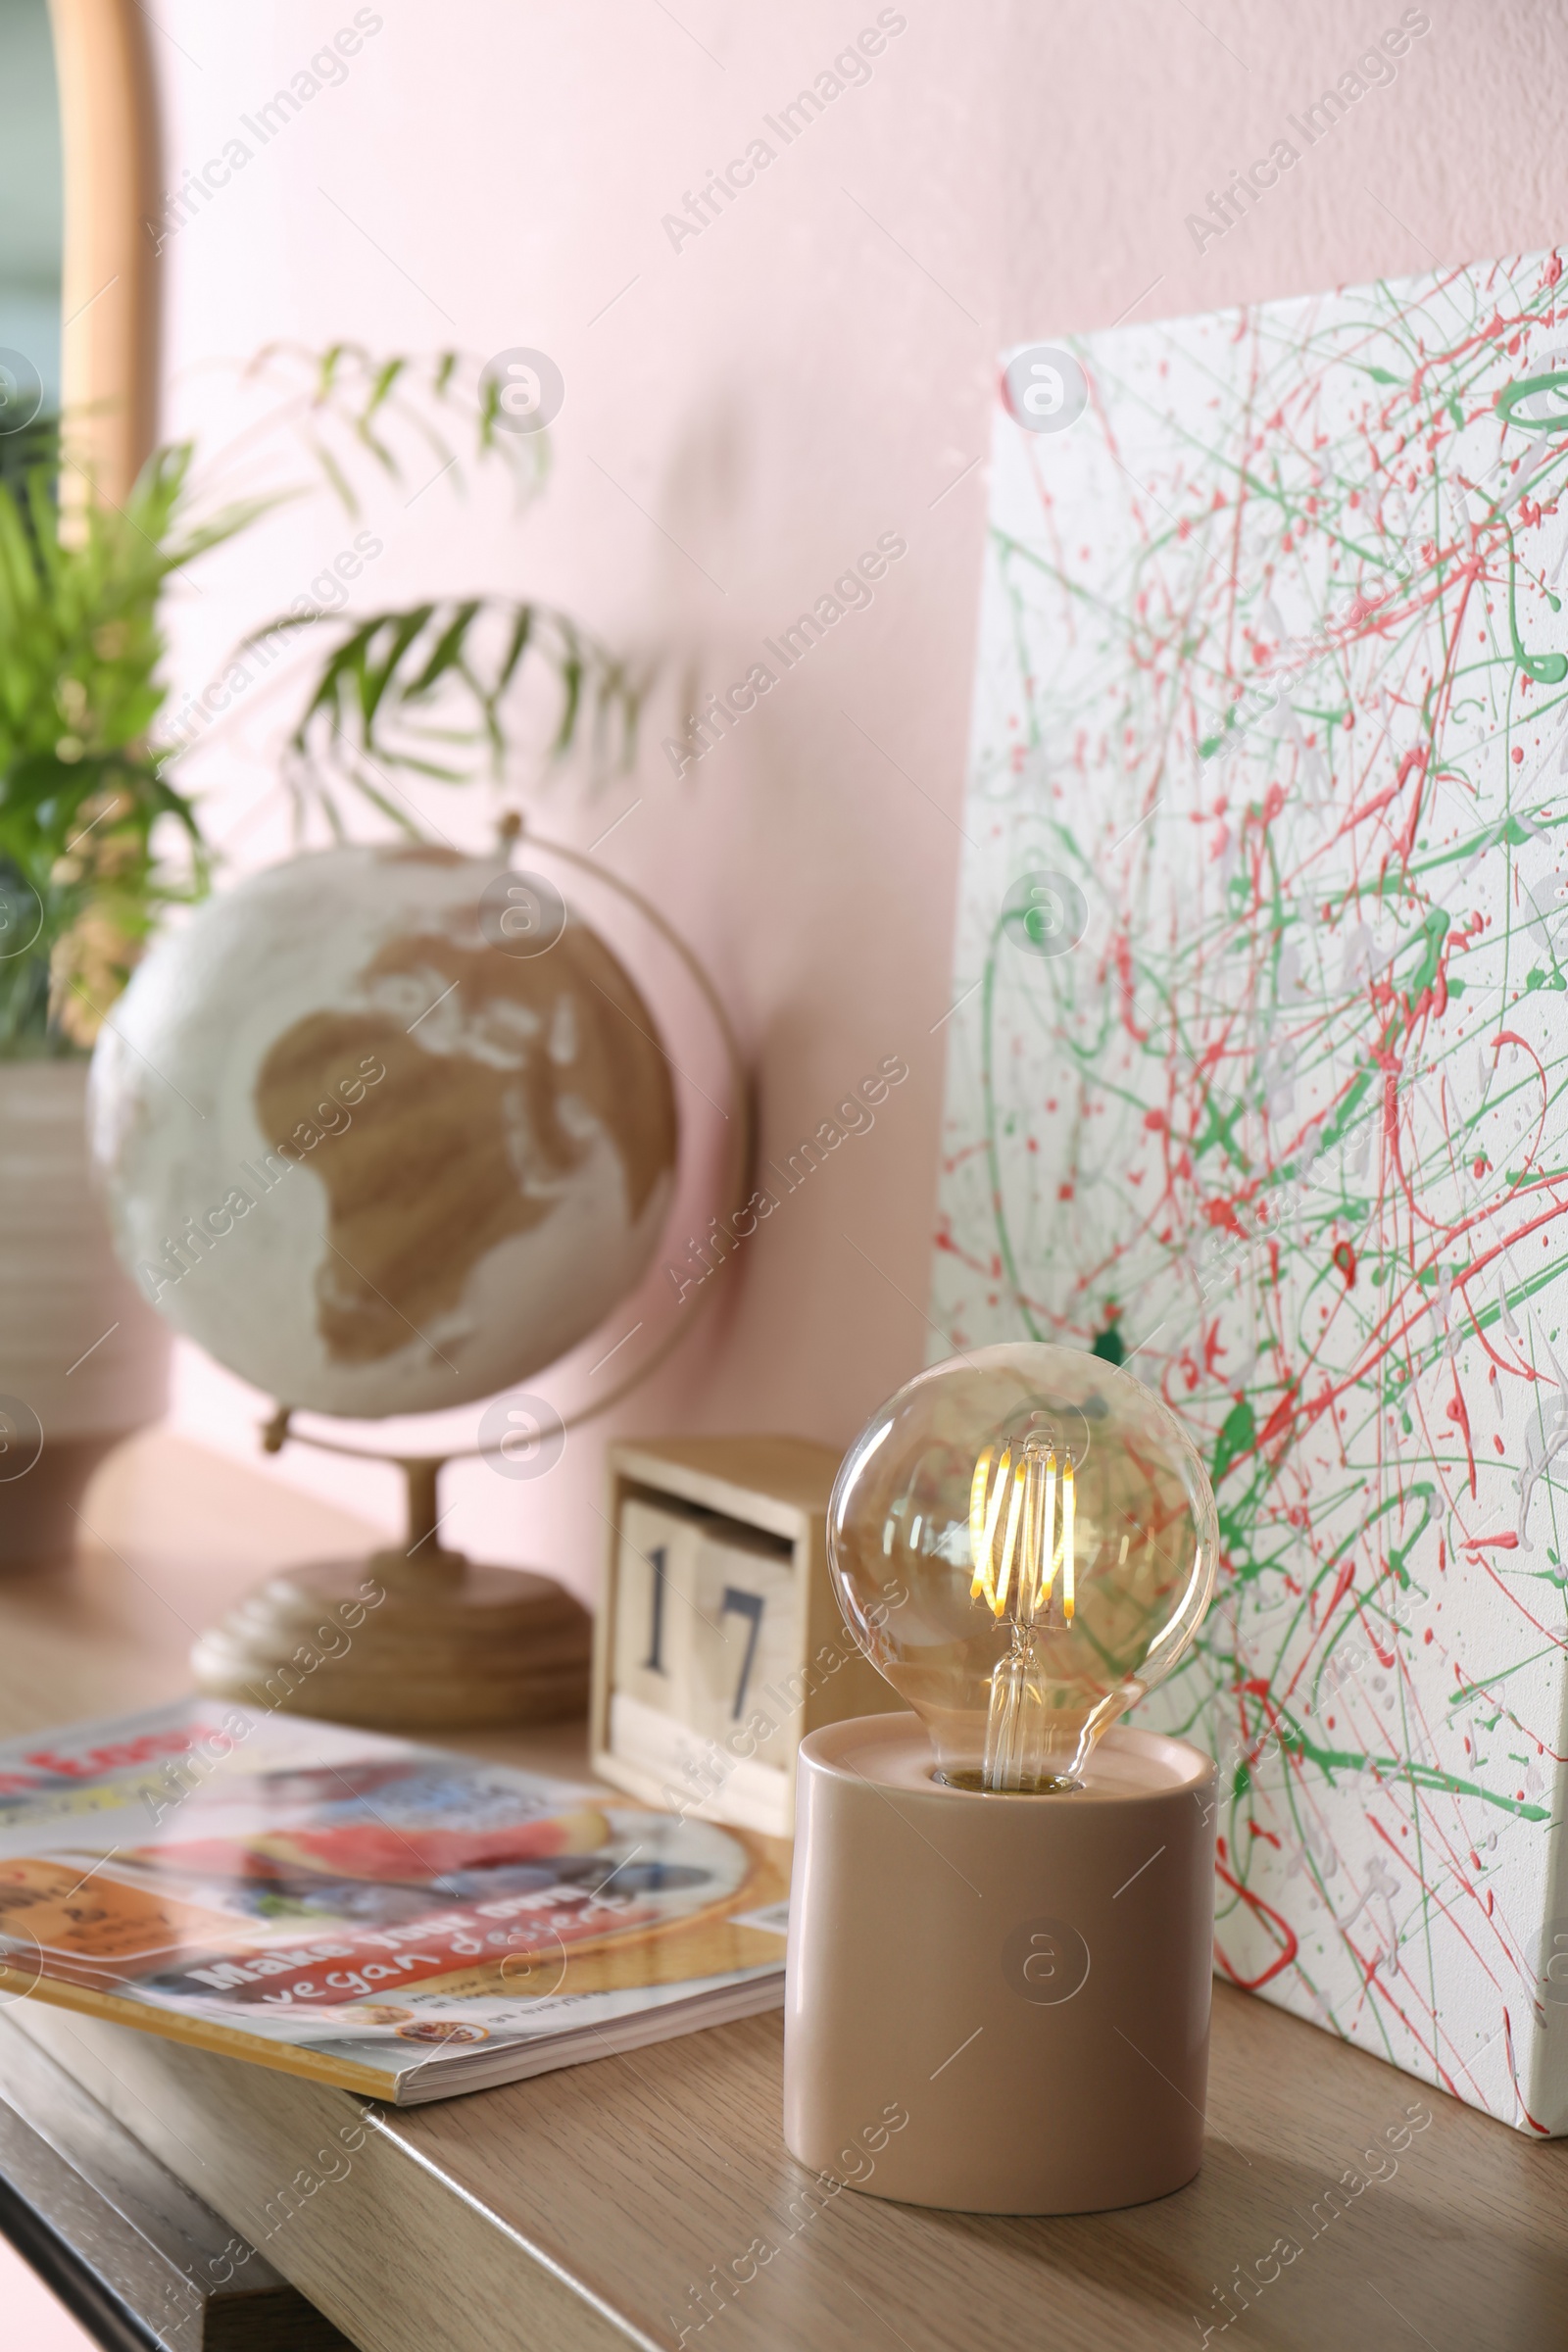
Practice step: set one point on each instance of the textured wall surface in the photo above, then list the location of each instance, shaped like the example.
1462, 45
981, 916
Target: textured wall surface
746, 408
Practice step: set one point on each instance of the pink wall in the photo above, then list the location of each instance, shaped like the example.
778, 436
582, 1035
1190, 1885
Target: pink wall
754, 409
35, 2321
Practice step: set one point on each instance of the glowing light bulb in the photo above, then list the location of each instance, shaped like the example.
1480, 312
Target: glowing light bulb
1023, 1541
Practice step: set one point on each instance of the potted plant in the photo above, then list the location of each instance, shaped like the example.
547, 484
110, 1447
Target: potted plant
82, 1358
97, 842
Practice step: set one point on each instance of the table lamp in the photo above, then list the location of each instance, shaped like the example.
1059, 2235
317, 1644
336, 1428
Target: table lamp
1000, 1921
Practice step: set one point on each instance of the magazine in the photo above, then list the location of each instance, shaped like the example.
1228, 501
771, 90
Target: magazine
394, 1919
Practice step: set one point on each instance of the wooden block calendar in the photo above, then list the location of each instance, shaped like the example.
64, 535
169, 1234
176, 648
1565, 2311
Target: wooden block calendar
719, 1642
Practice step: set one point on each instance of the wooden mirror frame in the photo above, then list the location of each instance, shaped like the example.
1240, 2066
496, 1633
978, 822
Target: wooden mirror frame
109, 282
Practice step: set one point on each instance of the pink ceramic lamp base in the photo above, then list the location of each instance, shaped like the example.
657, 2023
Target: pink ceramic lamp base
1025, 1980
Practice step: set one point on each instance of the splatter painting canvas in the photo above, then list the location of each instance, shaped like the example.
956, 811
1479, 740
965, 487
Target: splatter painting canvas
1258, 1082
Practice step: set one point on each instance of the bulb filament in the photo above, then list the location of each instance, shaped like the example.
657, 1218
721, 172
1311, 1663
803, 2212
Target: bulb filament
1022, 1539
1018, 1548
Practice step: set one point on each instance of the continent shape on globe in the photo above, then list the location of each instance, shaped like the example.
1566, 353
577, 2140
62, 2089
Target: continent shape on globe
465, 1146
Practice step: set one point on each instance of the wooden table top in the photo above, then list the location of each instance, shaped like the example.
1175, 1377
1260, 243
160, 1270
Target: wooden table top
648, 2199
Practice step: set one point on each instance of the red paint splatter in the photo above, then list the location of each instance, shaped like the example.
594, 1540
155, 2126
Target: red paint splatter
1263, 1911
1457, 1413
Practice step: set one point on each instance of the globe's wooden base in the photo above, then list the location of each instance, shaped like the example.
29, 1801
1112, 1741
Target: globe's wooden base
374, 1642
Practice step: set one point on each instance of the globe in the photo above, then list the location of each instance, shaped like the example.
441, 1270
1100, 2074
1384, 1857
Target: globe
384, 1129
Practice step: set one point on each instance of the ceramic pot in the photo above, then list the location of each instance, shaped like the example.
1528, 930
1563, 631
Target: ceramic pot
83, 1358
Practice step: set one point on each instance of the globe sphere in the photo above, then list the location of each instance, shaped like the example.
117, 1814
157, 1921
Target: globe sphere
378, 1148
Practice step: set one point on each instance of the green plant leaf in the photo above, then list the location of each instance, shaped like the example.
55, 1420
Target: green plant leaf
449, 673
